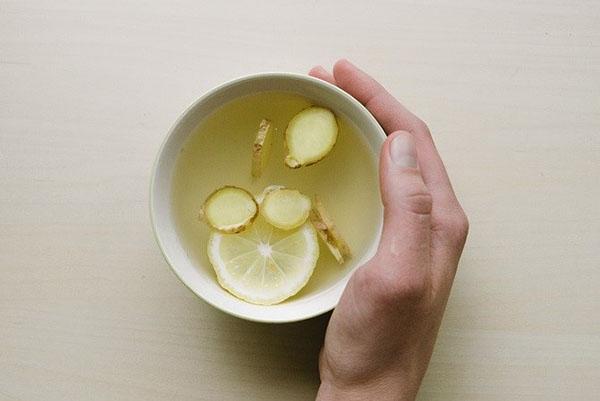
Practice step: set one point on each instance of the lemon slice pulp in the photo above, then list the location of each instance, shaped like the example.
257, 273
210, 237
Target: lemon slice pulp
264, 265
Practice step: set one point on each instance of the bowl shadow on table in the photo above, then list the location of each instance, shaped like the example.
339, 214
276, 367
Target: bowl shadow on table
272, 354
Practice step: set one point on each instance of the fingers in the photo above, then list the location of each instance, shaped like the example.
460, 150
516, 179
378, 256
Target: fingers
423, 218
322, 73
393, 116
406, 199
390, 113
406, 235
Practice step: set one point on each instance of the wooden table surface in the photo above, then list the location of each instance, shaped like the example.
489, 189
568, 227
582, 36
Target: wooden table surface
89, 310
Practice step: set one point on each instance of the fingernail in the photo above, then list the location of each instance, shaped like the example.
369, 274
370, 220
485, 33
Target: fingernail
403, 152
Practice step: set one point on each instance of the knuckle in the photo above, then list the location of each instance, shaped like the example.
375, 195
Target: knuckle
408, 290
421, 126
462, 226
418, 200
457, 228
387, 290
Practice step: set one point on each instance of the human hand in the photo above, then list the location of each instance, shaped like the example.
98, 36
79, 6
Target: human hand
381, 335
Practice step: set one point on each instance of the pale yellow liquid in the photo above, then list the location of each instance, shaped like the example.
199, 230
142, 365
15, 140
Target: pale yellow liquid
219, 152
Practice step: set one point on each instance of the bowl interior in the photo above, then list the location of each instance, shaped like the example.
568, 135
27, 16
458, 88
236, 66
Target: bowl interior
201, 280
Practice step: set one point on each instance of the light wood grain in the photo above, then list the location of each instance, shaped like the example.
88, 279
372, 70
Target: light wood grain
90, 311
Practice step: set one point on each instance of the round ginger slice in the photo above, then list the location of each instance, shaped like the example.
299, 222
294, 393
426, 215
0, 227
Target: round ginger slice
285, 208
310, 136
229, 209
260, 197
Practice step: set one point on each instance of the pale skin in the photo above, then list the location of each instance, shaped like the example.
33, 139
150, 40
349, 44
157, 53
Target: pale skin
382, 333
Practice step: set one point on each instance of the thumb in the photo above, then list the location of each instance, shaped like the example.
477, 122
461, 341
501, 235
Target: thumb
407, 203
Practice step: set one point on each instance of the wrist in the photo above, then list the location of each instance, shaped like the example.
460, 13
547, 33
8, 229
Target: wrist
383, 390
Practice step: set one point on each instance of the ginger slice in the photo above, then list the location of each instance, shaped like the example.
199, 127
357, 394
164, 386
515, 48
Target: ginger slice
328, 232
285, 208
310, 136
260, 197
229, 209
262, 147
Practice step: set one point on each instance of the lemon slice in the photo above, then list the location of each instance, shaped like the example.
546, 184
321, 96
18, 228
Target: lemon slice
264, 265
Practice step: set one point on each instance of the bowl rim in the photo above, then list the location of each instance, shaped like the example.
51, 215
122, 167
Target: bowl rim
326, 307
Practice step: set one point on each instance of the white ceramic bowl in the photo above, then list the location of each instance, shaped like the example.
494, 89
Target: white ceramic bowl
200, 280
